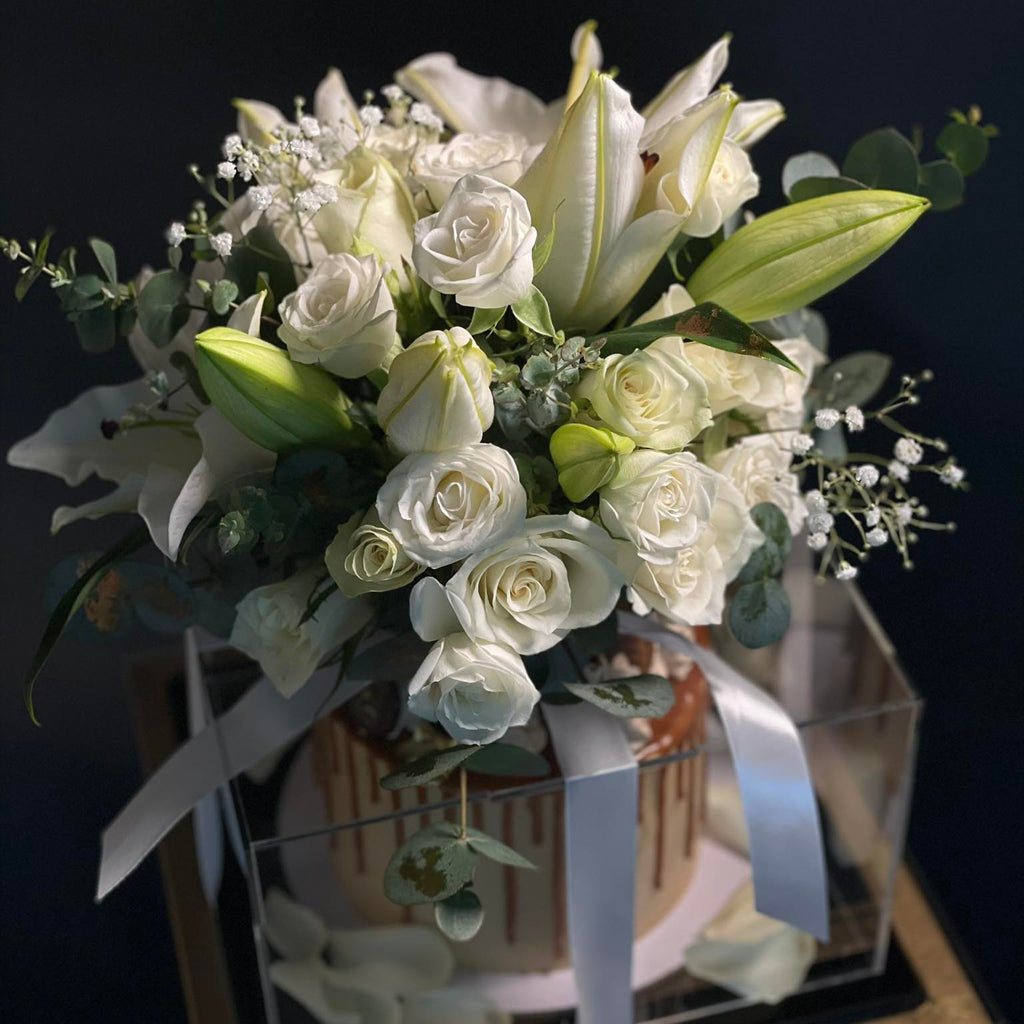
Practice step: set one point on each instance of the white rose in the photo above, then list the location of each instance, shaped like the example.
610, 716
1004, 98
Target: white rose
732, 380
653, 396
732, 182
268, 628
479, 245
557, 574
444, 506
691, 588
438, 394
475, 691
342, 316
374, 209
660, 503
790, 412
396, 144
503, 156
365, 557
760, 470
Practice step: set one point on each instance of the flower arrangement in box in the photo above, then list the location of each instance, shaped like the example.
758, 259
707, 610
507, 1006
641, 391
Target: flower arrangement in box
469, 371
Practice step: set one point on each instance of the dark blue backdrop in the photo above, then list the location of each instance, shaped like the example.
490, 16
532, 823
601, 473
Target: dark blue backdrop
103, 105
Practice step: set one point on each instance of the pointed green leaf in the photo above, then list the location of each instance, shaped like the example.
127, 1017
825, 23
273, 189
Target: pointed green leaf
72, 601
533, 312
460, 916
26, 279
485, 320
507, 759
643, 696
428, 767
490, 848
708, 324
542, 250
431, 866
792, 256
104, 253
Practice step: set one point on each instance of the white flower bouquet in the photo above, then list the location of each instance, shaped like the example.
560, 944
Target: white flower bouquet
469, 370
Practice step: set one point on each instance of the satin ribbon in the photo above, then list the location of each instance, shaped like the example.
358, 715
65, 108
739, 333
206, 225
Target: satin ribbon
786, 850
600, 856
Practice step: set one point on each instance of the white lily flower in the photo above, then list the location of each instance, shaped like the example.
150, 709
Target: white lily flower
473, 103
333, 103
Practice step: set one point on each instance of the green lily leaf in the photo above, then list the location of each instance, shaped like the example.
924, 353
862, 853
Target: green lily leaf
708, 324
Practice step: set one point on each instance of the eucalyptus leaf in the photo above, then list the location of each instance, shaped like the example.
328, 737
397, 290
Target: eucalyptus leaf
490, 848
507, 759
224, 293
104, 253
533, 312
460, 916
831, 443
708, 324
966, 145
259, 252
428, 767
770, 558
852, 380
807, 165
97, 329
759, 613
174, 257
538, 371
26, 279
485, 320
182, 362
812, 188
163, 306
643, 696
430, 866
883, 159
73, 600
941, 182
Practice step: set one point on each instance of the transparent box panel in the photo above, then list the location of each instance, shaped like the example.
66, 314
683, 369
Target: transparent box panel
319, 828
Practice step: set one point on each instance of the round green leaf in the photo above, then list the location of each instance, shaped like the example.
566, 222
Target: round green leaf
224, 293
942, 183
770, 558
883, 159
460, 916
489, 847
163, 306
97, 329
644, 696
759, 613
431, 866
852, 380
965, 144
807, 165
811, 188
507, 759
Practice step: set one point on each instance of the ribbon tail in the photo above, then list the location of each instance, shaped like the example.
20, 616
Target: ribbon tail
779, 806
600, 832
258, 724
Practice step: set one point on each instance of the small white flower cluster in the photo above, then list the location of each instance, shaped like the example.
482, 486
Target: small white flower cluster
868, 492
310, 200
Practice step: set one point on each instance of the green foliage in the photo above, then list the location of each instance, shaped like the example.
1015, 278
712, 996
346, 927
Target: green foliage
533, 312
163, 306
644, 696
260, 253
430, 766
485, 320
942, 184
708, 324
883, 159
75, 597
104, 253
851, 380
964, 145
812, 188
223, 293
460, 916
769, 559
806, 165
759, 613
490, 848
506, 759
431, 866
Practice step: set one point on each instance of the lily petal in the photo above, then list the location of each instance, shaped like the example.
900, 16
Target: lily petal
585, 50
246, 318
589, 174
472, 103
293, 930
123, 498
752, 120
687, 87
71, 445
333, 103
256, 120
228, 456
408, 958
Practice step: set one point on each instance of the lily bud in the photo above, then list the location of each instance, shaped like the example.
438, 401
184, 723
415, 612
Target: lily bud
278, 404
586, 458
438, 394
792, 256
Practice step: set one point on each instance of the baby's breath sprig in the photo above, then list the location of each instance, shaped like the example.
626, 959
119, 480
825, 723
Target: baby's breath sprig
862, 500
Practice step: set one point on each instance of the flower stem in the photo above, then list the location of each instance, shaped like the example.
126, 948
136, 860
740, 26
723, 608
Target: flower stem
463, 800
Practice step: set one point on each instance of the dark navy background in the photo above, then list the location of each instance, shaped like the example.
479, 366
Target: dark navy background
102, 105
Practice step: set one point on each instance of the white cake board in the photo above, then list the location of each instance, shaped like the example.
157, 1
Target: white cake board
309, 875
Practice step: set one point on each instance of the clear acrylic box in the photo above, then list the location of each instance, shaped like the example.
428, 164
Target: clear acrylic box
837, 675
